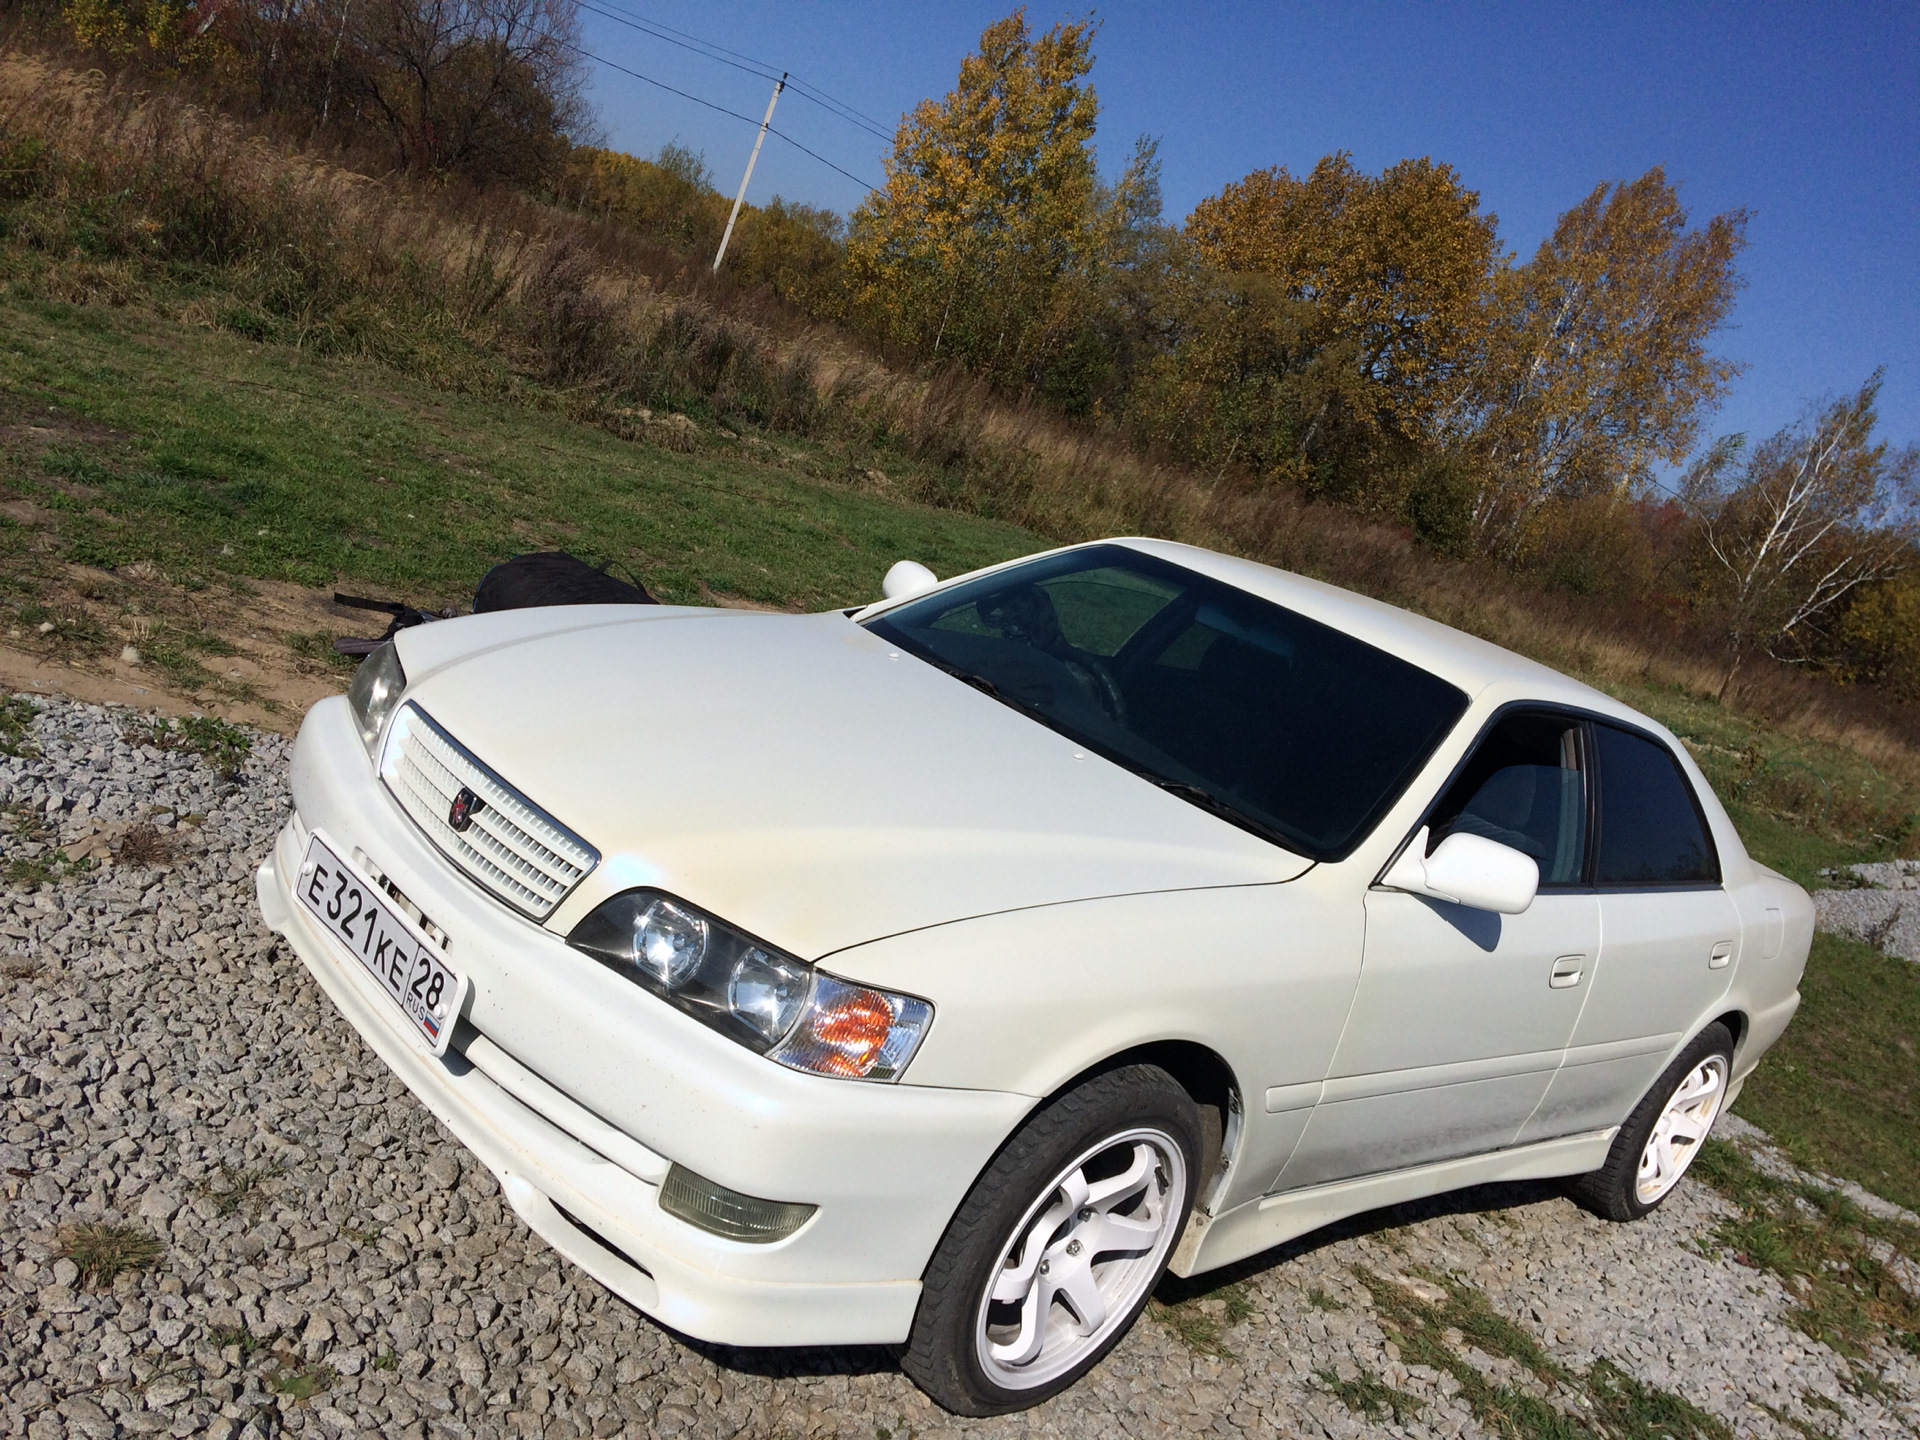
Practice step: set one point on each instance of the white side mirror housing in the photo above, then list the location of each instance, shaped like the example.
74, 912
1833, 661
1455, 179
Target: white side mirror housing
906, 579
1467, 870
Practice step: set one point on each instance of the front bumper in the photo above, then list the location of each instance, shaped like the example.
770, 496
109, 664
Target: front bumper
578, 1089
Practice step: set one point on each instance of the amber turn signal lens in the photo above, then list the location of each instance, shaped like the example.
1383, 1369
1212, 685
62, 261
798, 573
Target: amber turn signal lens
853, 1032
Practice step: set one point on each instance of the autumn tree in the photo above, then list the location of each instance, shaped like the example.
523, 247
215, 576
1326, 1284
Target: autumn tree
983, 244
1391, 266
1794, 528
482, 89
1595, 364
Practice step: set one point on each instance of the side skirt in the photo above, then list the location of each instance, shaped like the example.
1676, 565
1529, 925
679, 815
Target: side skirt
1257, 1225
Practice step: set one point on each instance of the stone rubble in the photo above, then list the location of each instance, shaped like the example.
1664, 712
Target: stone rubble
336, 1265
1881, 905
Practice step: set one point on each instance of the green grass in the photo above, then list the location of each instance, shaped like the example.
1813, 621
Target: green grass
1826, 1250
1201, 1322
219, 459
1841, 1089
1603, 1401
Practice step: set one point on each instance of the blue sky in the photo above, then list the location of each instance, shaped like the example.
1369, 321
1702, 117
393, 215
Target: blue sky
1808, 116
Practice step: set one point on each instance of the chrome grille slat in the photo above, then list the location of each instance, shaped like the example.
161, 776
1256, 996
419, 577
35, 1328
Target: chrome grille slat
512, 848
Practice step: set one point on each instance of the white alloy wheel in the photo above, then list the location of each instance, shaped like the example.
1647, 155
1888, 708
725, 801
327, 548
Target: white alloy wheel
1082, 1258
1682, 1125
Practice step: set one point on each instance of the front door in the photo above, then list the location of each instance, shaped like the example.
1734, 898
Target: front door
1670, 931
1462, 1015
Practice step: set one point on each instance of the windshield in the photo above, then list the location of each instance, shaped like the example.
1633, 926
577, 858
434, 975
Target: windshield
1275, 722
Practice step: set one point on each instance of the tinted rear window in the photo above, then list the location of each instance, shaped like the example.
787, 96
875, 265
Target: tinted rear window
1651, 832
1292, 724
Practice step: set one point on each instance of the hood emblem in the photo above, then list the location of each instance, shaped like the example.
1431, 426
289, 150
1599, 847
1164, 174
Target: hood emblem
466, 805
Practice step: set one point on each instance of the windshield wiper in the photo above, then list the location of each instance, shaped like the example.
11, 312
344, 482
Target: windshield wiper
1214, 805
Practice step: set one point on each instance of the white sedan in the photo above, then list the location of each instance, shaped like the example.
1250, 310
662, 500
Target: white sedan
940, 973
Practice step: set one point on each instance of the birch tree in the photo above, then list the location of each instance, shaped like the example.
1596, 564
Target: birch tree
1791, 530
1596, 365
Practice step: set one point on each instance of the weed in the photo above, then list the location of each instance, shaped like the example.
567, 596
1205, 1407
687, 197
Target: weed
1320, 1300
175, 652
223, 746
19, 967
104, 1250
1201, 1323
239, 1336
1823, 1248
144, 846
229, 1189
1610, 1402
16, 727
1800, 1427
67, 633
1840, 1089
1368, 1395
386, 1360
303, 1383
317, 646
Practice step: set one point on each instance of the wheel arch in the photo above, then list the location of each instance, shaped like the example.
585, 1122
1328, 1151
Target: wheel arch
1737, 1026
1211, 1084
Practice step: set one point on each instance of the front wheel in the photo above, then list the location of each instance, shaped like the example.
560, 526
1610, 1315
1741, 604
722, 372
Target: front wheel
1055, 1250
1665, 1132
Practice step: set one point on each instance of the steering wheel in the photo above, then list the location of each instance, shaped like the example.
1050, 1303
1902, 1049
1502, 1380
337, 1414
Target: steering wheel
1092, 672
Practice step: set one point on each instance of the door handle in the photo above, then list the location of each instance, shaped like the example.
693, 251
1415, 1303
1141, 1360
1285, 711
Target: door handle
1721, 957
1567, 971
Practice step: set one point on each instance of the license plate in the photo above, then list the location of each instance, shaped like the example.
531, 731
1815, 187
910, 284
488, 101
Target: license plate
426, 990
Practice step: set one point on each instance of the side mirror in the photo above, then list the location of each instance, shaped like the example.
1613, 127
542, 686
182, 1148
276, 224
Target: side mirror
906, 579
1467, 870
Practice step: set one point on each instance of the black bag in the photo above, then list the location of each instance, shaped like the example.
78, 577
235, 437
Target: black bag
552, 577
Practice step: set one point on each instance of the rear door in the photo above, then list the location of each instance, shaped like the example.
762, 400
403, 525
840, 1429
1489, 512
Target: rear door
1669, 930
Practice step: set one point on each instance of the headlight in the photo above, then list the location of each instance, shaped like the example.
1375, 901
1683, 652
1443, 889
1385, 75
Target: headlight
768, 1001
375, 692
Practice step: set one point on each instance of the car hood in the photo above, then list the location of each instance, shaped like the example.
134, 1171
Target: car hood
801, 778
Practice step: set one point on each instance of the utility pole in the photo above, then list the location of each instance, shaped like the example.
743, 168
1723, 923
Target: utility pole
758, 140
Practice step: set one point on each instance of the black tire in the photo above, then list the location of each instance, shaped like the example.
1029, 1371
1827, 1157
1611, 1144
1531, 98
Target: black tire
942, 1355
1613, 1191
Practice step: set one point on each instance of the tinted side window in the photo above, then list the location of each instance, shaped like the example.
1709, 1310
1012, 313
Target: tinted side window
1650, 829
1524, 786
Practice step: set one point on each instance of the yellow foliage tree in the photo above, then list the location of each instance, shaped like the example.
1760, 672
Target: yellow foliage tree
1391, 269
983, 245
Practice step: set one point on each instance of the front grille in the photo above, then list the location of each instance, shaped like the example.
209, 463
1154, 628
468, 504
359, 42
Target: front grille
511, 848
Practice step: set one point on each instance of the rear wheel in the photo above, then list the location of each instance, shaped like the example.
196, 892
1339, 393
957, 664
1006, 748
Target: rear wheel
1665, 1132
1054, 1252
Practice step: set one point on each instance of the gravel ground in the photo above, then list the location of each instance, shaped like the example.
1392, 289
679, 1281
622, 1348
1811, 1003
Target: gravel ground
332, 1263
1882, 906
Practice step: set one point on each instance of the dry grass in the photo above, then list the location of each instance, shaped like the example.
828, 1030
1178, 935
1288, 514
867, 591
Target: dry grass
144, 846
104, 1250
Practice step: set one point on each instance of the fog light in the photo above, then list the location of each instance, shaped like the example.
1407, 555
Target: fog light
698, 1201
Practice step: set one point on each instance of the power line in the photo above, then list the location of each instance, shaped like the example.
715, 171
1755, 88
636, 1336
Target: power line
708, 50
688, 95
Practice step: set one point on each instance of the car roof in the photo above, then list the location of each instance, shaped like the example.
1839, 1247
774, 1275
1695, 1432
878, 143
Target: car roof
1473, 664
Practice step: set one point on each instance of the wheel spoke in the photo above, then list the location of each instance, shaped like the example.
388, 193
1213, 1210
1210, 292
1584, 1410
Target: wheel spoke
1017, 1279
1032, 1338
1106, 1234
1082, 1294
1108, 1193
